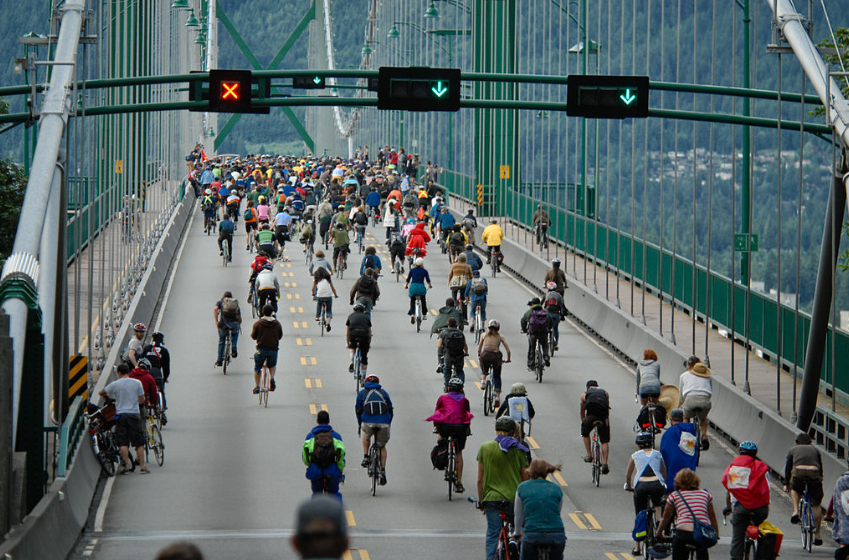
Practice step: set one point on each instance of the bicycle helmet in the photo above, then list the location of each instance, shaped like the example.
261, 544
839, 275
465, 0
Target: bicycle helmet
359, 307
493, 221
556, 262
592, 383
268, 266
411, 220
157, 336
493, 324
140, 327
372, 379
505, 424
207, 191
469, 247
419, 262
551, 285
643, 439
748, 448
534, 301
144, 363
455, 383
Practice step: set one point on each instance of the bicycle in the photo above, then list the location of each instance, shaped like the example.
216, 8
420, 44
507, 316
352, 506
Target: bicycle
806, 520
451, 468
750, 538
322, 318
651, 528
697, 424
396, 268
552, 343
418, 313
539, 359
652, 429
595, 448
542, 236
153, 437
209, 224
103, 438
495, 260
502, 547
251, 239
374, 462
361, 234
253, 299
263, 387
225, 251
340, 263
478, 323
359, 382
488, 393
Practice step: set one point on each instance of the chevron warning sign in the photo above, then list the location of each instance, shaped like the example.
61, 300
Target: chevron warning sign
78, 377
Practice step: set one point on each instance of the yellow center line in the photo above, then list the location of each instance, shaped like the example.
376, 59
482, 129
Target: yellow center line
626, 556
296, 309
577, 520
473, 363
478, 384
531, 442
293, 296
434, 312
313, 383
593, 522
308, 361
559, 479
364, 554
351, 521
347, 555
611, 556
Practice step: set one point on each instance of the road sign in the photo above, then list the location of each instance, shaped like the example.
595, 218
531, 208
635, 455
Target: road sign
230, 91
745, 242
607, 97
308, 82
78, 377
418, 89
505, 172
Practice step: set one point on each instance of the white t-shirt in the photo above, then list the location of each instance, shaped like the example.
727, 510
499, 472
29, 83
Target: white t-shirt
126, 392
323, 289
691, 382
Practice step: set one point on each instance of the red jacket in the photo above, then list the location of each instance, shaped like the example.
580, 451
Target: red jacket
745, 478
259, 262
420, 230
416, 242
151, 392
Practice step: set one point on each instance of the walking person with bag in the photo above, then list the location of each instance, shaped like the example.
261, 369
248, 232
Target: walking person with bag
695, 517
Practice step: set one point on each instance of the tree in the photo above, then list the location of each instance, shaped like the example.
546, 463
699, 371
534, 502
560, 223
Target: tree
13, 184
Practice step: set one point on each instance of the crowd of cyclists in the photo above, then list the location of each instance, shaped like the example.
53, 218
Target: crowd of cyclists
313, 204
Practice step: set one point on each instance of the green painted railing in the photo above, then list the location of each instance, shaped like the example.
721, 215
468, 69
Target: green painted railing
69, 435
727, 304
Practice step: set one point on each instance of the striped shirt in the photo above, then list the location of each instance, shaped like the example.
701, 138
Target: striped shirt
698, 501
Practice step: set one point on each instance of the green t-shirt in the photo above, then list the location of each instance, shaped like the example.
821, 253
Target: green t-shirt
254, 196
502, 472
216, 172
265, 236
340, 237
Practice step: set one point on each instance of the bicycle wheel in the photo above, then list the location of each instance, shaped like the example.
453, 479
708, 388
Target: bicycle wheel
262, 386
698, 427
104, 455
358, 371
323, 319
227, 349
450, 469
487, 396
807, 523
539, 365
374, 468
225, 245
596, 458
157, 445
418, 314
251, 238
478, 325
494, 263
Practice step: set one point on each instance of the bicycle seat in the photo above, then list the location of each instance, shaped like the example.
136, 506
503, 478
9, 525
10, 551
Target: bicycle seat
598, 423
660, 550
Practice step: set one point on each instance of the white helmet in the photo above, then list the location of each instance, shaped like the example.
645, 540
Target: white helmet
419, 261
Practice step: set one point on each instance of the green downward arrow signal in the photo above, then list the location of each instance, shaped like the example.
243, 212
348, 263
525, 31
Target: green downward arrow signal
628, 98
316, 80
439, 90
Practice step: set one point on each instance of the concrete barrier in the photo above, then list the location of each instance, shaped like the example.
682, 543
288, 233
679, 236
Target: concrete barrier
52, 528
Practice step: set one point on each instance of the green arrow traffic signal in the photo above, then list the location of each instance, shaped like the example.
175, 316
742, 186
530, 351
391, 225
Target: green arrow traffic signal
316, 80
439, 90
628, 98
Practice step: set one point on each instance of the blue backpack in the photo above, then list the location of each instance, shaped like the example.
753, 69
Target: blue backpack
639, 532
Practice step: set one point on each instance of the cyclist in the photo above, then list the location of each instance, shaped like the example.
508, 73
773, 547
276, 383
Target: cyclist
472, 259
233, 202
208, 206
358, 334
320, 261
440, 322
371, 260
517, 406
397, 250
160, 366
267, 332
415, 285
250, 223
133, 352
366, 291
282, 221
541, 220
840, 530
340, 245
446, 223
804, 466
452, 418
595, 407
228, 318
263, 212
307, 235
475, 294
418, 239
265, 240
688, 501
502, 466
324, 455
452, 342
459, 276
390, 218
536, 322
553, 303
325, 215
373, 201
747, 499
322, 289
470, 223
645, 477
555, 274
490, 356
267, 288
128, 394
696, 389
537, 512
678, 447
225, 231
408, 227
374, 416
456, 241
360, 221
492, 236
648, 377
151, 393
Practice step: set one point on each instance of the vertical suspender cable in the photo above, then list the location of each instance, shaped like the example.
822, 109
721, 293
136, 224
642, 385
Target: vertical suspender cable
798, 250
778, 322
732, 310
662, 167
708, 275
694, 286
645, 174
632, 271
674, 258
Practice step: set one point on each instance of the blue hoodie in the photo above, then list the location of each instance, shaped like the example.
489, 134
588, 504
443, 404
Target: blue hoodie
373, 198
363, 416
674, 457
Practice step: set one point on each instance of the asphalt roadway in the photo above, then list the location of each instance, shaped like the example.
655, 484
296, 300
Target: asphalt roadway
233, 476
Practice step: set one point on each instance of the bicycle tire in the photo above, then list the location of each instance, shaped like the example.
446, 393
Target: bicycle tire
225, 246
358, 369
807, 525
419, 312
261, 385
698, 428
451, 467
323, 319
596, 449
251, 239
228, 345
157, 445
478, 324
374, 462
487, 396
539, 365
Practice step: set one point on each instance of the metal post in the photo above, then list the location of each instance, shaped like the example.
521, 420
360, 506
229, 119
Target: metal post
6, 452
822, 301
746, 194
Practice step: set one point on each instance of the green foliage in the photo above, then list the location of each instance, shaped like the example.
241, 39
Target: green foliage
834, 61
13, 184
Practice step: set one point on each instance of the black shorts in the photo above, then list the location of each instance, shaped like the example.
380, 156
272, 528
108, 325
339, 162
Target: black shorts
603, 428
129, 430
363, 341
814, 480
251, 226
457, 431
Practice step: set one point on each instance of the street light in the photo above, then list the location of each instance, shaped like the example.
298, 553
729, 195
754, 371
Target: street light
192, 21
393, 33
578, 48
431, 11
201, 38
366, 49
180, 4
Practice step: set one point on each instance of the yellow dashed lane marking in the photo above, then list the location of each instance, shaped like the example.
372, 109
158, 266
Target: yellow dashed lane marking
364, 555
304, 341
577, 520
560, 480
314, 408
473, 363
290, 285
351, 521
434, 312
593, 522
293, 296
478, 385
531, 442
299, 324
312, 383
308, 361
296, 309
625, 555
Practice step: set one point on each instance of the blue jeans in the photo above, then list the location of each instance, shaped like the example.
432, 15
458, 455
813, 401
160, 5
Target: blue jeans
233, 327
557, 541
264, 357
493, 525
555, 321
332, 487
473, 305
329, 302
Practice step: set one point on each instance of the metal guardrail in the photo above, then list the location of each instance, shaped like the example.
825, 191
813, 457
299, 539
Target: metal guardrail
69, 436
831, 431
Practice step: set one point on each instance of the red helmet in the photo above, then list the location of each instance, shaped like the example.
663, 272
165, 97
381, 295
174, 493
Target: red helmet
372, 379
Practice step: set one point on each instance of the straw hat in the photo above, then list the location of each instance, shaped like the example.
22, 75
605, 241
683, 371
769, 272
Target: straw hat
669, 396
700, 370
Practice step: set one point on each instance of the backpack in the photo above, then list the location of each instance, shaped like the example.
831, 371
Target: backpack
454, 342
538, 322
369, 260
439, 455
639, 532
227, 226
644, 418
469, 223
478, 286
229, 306
361, 218
375, 406
324, 450
596, 403
457, 239
552, 306
366, 285
249, 214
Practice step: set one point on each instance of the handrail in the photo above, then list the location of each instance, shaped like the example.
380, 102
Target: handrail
69, 435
